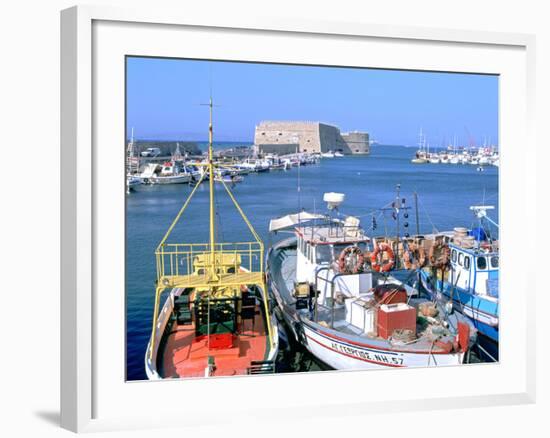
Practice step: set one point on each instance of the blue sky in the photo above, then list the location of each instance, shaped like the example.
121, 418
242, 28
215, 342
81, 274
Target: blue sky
164, 97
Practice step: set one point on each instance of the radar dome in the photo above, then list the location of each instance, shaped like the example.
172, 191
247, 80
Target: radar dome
333, 200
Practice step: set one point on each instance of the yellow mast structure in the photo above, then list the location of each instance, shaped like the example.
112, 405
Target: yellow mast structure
169, 256
212, 200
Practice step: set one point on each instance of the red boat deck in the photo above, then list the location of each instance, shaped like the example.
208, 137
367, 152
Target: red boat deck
187, 356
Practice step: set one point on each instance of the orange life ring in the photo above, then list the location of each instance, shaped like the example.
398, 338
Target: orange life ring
382, 248
440, 254
342, 260
414, 257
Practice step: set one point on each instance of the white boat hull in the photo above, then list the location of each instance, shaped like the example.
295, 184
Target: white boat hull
345, 355
176, 179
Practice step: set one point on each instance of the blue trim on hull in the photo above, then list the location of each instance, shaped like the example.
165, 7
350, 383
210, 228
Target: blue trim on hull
473, 302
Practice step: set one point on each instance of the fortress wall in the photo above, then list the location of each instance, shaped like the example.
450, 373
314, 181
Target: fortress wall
306, 134
357, 142
330, 138
278, 148
310, 136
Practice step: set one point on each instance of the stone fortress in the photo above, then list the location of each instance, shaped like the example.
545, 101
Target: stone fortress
289, 137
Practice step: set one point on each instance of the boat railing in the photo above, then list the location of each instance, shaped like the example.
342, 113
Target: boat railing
180, 259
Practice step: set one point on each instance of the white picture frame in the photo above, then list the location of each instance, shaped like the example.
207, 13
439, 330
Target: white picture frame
92, 396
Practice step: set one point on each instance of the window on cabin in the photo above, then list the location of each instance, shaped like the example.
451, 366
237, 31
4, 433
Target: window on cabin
460, 259
494, 262
323, 253
363, 246
481, 263
453, 255
467, 262
338, 248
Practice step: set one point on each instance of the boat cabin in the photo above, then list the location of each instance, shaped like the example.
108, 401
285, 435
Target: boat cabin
169, 168
475, 269
322, 245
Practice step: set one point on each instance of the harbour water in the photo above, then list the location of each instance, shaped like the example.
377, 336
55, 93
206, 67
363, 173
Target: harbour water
445, 193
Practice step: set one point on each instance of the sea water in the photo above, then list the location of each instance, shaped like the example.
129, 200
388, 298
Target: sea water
445, 194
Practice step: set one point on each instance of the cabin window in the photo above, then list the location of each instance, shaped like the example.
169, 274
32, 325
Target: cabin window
323, 253
460, 259
481, 263
467, 262
339, 248
362, 246
453, 255
494, 262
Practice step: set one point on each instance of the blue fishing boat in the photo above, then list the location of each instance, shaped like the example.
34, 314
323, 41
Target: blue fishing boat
470, 279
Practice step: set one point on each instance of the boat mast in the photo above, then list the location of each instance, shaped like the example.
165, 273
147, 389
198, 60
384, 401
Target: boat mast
211, 186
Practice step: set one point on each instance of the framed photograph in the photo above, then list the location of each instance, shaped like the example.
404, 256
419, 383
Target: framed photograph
274, 214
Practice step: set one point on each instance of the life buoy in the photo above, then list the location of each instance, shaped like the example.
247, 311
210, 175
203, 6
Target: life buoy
343, 264
379, 249
414, 257
440, 254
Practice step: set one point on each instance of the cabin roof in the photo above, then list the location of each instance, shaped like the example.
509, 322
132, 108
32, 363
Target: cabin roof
474, 251
327, 234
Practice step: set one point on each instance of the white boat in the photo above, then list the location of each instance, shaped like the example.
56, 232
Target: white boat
434, 159
421, 156
338, 154
133, 182
328, 154
352, 315
483, 160
171, 173
419, 160
254, 165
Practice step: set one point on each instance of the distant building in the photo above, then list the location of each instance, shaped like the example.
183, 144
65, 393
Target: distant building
287, 137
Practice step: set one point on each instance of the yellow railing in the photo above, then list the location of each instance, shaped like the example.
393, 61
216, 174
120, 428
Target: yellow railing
177, 259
